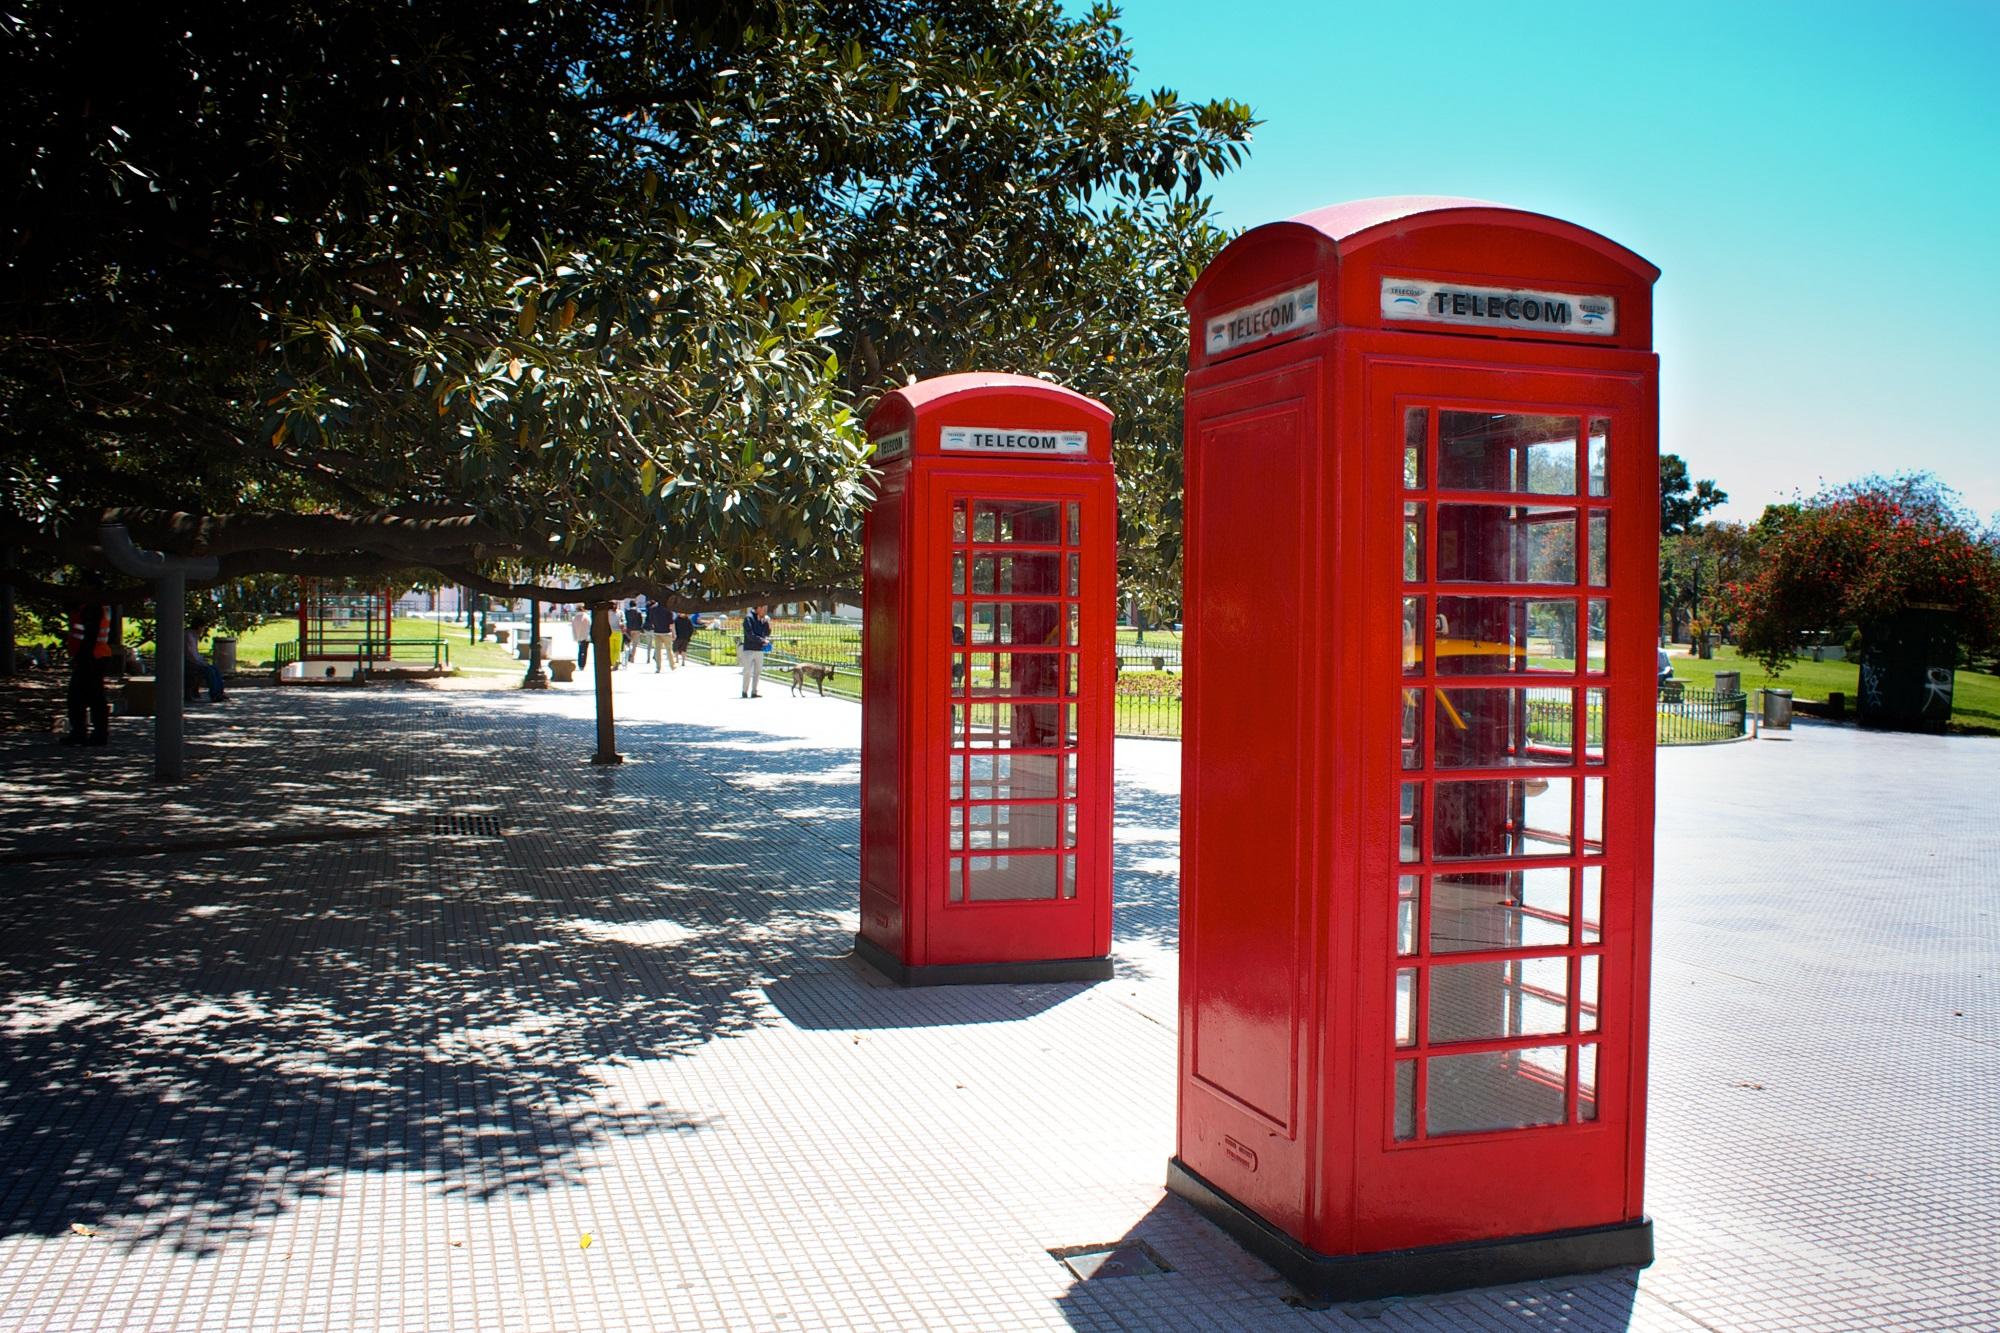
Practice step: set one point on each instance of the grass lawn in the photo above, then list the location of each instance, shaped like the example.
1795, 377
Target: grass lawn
1975, 695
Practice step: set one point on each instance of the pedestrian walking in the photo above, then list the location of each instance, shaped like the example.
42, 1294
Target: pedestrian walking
685, 624
579, 625
635, 625
756, 642
89, 641
659, 634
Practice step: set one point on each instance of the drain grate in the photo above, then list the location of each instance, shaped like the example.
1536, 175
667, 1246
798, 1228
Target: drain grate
1129, 1258
466, 826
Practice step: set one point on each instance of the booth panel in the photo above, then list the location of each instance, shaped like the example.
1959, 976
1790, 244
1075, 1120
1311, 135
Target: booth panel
1023, 862
884, 734
1247, 895
1496, 952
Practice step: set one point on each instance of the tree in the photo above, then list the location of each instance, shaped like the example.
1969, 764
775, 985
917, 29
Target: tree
1683, 502
351, 289
1696, 569
1860, 554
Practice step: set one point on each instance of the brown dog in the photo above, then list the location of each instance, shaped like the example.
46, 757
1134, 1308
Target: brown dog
813, 671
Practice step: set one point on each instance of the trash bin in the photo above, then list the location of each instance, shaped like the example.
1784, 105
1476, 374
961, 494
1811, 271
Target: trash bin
1777, 710
1728, 682
223, 653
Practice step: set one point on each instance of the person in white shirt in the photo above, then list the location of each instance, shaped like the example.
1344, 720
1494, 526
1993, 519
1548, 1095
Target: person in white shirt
579, 625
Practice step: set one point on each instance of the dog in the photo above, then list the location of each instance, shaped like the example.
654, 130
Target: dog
813, 671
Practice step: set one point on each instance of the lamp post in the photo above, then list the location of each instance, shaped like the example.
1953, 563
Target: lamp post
536, 679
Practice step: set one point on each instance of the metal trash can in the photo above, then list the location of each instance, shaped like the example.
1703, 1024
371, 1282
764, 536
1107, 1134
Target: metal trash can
223, 653
1728, 682
1777, 710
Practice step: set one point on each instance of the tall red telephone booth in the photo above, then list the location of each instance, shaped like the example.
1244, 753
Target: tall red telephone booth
1417, 811
987, 677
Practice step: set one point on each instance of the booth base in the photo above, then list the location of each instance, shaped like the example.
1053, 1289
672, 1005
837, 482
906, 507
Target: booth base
1417, 1272
979, 974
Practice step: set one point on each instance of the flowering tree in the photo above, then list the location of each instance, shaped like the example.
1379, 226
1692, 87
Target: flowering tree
1861, 554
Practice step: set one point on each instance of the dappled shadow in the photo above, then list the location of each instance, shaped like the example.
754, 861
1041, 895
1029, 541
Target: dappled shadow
197, 1039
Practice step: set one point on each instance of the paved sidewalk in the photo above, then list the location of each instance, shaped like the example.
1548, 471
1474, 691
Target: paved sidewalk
302, 1059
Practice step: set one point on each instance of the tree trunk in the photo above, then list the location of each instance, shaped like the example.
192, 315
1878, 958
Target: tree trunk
600, 654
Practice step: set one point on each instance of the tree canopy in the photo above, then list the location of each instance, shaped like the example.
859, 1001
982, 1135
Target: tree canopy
1857, 555
354, 288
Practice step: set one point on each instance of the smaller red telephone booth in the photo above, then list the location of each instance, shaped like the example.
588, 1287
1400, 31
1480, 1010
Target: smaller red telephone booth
987, 677
1417, 794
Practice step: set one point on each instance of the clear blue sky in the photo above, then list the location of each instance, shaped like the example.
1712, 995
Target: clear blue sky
1819, 183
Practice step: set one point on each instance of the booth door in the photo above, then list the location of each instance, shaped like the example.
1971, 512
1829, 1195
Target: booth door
1014, 608
1508, 776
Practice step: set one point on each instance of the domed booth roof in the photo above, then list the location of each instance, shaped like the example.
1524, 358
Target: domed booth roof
1354, 247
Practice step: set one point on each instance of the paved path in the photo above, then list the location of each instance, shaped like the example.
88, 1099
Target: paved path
303, 1059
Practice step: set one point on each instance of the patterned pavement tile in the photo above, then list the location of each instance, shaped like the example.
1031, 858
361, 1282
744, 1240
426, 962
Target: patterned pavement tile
301, 1060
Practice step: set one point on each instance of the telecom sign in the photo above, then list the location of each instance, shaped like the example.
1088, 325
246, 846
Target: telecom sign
1501, 307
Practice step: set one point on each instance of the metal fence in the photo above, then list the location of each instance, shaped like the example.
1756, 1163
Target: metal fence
1147, 706
1695, 717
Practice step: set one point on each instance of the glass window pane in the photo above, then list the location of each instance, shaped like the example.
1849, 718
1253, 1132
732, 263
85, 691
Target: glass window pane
1021, 726
1031, 624
958, 573
1027, 573
1406, 1099
1413, 728
1468, 1094
1028, 521
1413, 543
1500, 909
1069, 768
958, 521
1505, 819
1406, 1006
1069, 826
1586, 993
1508, 997
1413, 636
1075, 574
1028, 675
1406, 913
1075, 523
1499, 451
1600, 550
1069, 876
1593, 815
1074, 639
1506, 544
1586, 1083
958, 777
1411, 817
958, 724
1593, 730
1497, 636
1010, 878
1416, 435
955, 869
1595, 620
1012, 827
1012, 777
1508, 728
1590, 927
1600, 455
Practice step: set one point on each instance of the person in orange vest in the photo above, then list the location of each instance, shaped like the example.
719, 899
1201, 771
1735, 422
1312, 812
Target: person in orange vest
89, 642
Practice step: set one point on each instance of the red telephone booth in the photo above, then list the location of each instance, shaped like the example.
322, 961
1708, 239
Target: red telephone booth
987, 677
1416, 861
